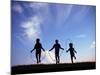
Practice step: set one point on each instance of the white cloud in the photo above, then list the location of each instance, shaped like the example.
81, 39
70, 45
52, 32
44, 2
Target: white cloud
81, 36
31, 28
91, 50
92, 46
17, 8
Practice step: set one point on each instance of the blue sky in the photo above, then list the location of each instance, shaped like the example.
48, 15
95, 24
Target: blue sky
50, 21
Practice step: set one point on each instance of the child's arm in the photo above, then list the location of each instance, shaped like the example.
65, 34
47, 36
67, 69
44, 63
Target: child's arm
43, 49
67, 50
52, 48
33, 49
61, 47
75, 51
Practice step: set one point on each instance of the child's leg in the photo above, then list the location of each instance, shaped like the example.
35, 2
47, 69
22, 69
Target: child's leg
56, 58
37, 57
74, 57
71, 59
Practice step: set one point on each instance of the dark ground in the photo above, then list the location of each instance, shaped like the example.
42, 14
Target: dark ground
40, 68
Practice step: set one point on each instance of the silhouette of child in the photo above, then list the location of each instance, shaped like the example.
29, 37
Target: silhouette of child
57, 48
72, 51
38, 47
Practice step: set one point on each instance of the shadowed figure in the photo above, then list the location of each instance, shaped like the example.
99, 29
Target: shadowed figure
38, 47
72, 51
57, 47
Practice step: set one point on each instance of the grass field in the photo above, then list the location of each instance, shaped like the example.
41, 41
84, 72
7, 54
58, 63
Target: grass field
40, 68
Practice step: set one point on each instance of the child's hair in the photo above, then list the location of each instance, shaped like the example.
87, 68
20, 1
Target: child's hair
37, 40
70, 44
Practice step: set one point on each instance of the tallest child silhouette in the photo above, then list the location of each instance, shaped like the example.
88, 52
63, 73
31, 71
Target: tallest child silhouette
57, 48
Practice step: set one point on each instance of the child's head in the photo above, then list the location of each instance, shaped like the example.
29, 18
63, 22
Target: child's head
56, 41
70, 45
37, 40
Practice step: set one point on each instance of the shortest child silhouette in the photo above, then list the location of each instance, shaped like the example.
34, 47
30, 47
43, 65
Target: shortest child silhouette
72, 51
